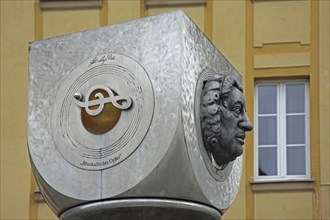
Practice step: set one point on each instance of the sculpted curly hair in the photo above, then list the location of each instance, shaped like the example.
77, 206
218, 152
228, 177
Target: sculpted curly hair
214, 99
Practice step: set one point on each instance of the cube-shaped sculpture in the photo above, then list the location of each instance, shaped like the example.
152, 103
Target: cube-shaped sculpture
115, 122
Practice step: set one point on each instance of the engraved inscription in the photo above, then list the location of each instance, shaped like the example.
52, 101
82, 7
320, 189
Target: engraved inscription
102, 59
102, 163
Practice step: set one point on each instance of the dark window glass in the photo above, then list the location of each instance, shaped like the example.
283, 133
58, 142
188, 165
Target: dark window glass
295, 129
295, 98
267, 161
267, 99
296, 160
267, 130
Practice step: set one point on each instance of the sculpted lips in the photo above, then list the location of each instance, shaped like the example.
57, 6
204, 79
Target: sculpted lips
240, 138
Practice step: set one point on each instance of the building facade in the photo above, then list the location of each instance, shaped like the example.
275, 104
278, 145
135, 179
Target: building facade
281, 48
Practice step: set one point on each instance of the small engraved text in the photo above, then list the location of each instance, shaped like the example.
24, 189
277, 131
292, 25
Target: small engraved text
101, 163
102, 59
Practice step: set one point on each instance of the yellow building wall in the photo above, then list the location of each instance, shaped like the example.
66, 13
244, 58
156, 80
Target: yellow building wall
195, 13
325, 107
17, 29
248, 33
57, 23
291, 39
283, 205
121, 11
44, 212
281, 22
229, 31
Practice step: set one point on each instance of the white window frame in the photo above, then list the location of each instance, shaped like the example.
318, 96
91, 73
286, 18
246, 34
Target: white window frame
281, 131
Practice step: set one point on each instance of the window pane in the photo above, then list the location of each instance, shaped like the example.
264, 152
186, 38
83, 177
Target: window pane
295, 98
267, 161
295, 129
296, 160
267, 128
267, 100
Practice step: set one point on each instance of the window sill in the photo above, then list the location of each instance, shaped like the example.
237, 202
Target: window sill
282, 185
173, 3
70, 4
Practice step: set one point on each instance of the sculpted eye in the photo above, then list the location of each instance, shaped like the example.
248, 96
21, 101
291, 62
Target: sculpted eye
237, 110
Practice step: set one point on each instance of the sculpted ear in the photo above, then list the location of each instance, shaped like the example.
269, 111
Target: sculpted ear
224, 103
212, 143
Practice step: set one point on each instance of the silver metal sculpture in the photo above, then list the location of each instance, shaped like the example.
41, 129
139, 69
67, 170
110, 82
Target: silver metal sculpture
129, 120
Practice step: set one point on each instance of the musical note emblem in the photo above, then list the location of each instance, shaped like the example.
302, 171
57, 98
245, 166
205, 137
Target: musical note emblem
126, 101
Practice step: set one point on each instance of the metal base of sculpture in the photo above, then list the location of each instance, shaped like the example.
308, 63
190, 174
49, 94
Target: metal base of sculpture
141, 209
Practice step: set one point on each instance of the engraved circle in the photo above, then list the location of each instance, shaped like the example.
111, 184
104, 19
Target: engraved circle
106, 150
98, 150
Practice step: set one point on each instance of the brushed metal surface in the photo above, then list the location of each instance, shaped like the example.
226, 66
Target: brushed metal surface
154, 43
167, 161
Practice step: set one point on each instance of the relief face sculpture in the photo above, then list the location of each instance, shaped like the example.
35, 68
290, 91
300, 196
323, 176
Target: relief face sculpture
223, 120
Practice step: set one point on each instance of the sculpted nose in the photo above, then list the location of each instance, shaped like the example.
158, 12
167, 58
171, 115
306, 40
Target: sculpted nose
245, 124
